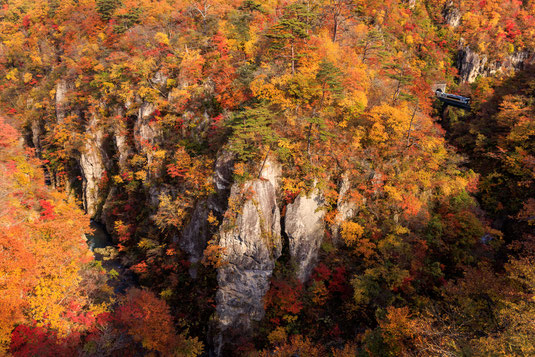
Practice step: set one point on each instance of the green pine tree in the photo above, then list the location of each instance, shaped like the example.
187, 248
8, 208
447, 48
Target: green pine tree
251, 132
106, 8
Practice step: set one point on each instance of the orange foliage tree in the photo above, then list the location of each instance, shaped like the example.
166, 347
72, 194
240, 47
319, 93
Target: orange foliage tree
42, 247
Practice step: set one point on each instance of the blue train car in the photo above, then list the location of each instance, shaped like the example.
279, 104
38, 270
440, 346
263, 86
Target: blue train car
453, 99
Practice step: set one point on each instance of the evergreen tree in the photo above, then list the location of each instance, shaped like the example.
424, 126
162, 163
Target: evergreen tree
106, 8
251, 130
291, 28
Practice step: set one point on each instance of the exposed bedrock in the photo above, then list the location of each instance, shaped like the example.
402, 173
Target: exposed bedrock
195, 235
345, 207
62, 89
452, 14
472, 64
120, 137
305, 228
223, 172
251, 237
147, 133
92, 164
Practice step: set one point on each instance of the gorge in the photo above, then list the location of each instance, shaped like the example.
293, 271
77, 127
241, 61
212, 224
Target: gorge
271, 178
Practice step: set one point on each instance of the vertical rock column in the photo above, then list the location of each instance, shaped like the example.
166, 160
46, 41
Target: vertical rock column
62, 89
146, 133
93, 166
196, 233
252, 243
305, 228
120, 134
345, 207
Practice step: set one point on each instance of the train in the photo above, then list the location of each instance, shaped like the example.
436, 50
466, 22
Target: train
452, 99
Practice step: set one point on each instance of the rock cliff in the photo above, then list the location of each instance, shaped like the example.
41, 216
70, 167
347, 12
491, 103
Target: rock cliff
452, 14
197, 233
92, 164
305, 229
62, 89
472, 64
345, 207
251, 237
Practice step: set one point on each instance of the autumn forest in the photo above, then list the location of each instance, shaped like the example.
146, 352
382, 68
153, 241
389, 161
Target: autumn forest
267, 178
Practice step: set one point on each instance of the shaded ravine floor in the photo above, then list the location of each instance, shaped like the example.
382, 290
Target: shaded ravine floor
101, 239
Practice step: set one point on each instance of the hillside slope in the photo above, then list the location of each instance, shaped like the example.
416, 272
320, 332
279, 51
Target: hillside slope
275, 171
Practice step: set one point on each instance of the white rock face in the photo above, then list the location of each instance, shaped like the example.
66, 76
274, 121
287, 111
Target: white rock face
471, 64
252, 244
451, 14
305, 228
345, 208
122, 148
271, 171
143, 130
93, 166
61, 99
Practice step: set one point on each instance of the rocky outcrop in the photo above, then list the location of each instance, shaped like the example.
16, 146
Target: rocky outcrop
61, 100
252, 243
452, 14
160, 78
251, 246
197, 232
120, 136
271, 171
471, 64
142, 129
345, 207
305, 229
146, 132
36, 136
223, 172
92, 164
122, 148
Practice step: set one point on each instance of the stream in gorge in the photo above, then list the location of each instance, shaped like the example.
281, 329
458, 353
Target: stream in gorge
101, 244
100, 237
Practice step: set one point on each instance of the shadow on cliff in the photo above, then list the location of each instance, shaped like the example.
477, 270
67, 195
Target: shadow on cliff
483, 137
